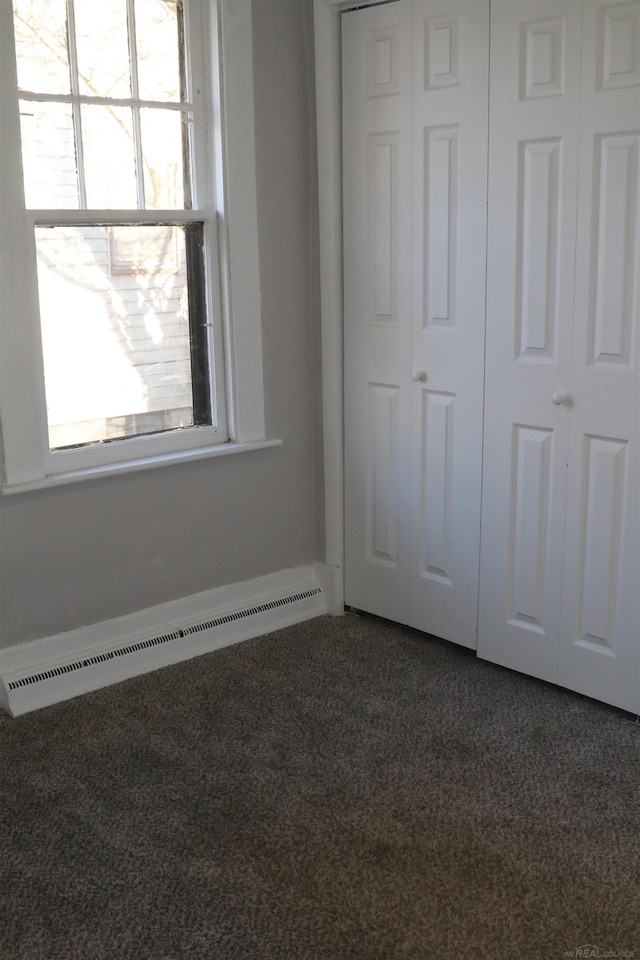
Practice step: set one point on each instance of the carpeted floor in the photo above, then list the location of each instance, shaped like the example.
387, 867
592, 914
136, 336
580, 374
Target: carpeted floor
342, 790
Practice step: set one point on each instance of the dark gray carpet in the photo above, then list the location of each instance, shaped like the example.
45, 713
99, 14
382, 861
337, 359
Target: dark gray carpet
342, 790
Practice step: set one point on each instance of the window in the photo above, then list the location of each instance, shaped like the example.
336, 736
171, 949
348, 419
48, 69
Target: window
108, 125
130, 314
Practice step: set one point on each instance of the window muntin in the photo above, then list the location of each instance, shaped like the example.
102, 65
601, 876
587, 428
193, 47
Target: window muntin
99, 145
108, 84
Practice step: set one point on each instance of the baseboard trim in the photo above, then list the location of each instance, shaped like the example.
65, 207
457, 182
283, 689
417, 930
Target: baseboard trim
57, 668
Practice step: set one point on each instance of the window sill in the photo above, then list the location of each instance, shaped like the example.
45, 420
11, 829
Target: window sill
144, 463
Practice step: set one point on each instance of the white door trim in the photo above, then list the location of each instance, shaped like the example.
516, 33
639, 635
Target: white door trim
328, 107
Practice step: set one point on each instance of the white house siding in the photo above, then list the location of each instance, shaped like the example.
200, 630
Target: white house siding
115, 336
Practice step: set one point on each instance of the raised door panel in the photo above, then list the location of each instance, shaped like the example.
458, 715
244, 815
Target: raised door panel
450, 125
382, 471
530, 536
618, 44
600, 630
435, 530
533, 165
377, 235
538, 230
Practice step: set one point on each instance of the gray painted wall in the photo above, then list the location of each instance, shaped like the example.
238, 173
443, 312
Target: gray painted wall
91, 551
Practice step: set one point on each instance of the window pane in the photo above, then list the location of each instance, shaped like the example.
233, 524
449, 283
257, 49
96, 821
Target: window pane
103, 48
48, 155
162, 151
115, 331
41, 45
109, 157
157, 39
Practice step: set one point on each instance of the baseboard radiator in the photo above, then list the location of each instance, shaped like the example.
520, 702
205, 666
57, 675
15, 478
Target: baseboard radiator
43, 682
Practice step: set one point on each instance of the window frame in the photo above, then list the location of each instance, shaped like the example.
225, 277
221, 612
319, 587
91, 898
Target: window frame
225, 152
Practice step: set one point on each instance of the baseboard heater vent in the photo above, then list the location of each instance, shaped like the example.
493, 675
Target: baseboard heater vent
157, 641
240, 614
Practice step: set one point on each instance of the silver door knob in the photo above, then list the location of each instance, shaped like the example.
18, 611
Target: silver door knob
419, 376
559, 398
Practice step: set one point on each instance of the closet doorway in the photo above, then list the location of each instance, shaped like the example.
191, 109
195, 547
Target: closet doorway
495, 503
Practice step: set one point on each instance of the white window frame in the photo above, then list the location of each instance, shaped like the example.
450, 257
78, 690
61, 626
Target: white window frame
234, 279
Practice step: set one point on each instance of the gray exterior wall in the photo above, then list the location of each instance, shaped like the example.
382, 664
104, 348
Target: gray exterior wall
87, 552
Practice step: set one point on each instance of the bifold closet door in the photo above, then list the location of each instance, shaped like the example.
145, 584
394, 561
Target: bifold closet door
415, 99
377, 205
599, 651
560, 536
533, 169
450, 129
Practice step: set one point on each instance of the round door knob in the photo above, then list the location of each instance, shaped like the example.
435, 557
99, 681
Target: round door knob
559, 398
419, 376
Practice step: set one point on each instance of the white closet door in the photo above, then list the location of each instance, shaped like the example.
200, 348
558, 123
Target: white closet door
600, 623
560, 576
533, 170
450, 127
376, 70
415, 93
